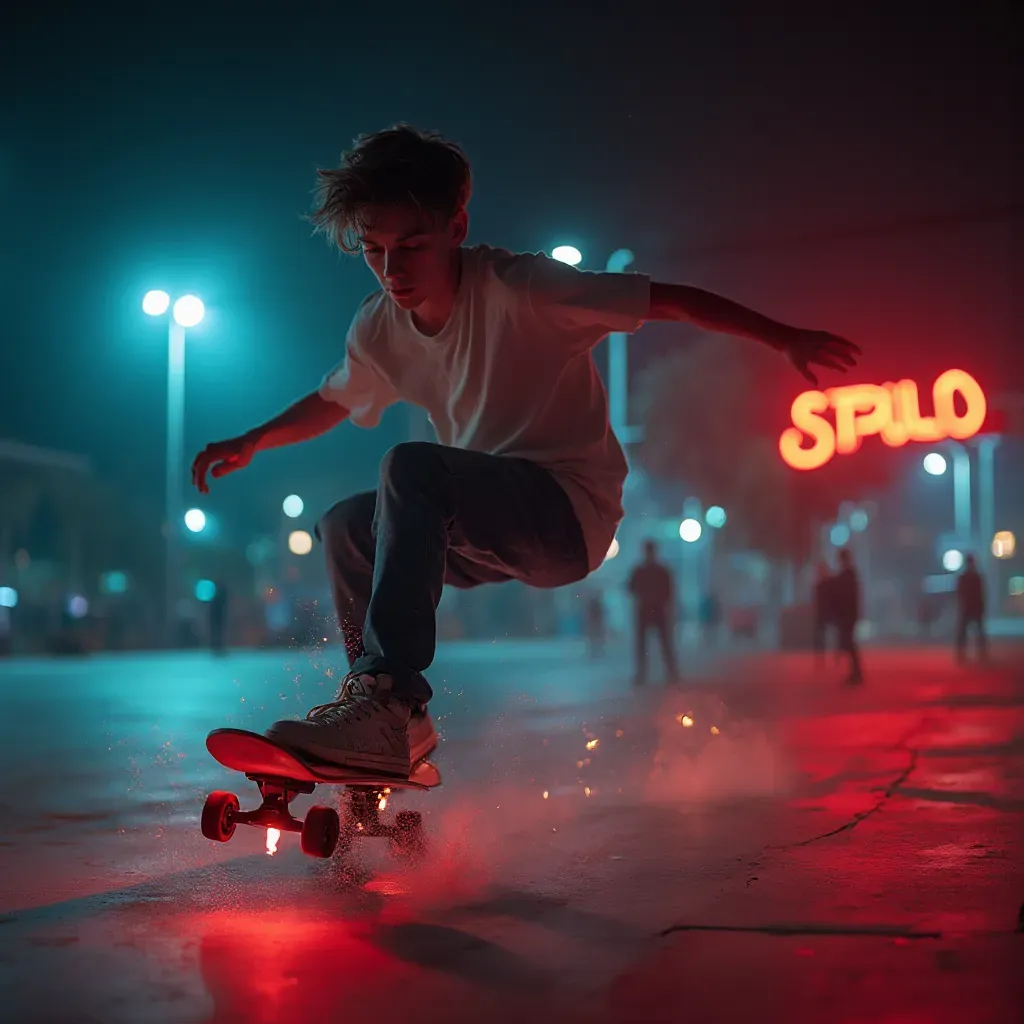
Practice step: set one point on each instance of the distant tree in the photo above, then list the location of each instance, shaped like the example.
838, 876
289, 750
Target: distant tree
713, 413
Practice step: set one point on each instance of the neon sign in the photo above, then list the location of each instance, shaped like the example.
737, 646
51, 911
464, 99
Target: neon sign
891, 411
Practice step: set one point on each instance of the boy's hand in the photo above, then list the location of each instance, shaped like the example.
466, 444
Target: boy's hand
221, 458
804, 348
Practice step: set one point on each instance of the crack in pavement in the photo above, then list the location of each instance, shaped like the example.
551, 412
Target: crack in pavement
887, 795
878, 931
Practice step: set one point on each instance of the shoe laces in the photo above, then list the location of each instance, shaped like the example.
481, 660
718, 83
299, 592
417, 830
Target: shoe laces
357, 701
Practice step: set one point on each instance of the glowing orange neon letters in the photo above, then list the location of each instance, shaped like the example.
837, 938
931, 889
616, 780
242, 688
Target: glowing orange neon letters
890, 410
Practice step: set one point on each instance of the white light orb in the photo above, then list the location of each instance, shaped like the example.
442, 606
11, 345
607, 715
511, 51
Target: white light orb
155, 303
690, 530
195, 520
292, 506
300, 542
953, 560
567, 254
189, 311
613, 549
78, 607
935, 464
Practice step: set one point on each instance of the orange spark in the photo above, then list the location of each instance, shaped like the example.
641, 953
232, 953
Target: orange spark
273, 834
592, 744
715, 730
545, 794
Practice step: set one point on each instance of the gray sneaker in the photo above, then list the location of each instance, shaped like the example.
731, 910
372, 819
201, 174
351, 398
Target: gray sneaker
366, 727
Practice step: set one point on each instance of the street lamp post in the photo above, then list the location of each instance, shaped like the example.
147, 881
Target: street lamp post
966, 537
986, 517
962, 493
188, 311
618, 365
936, 465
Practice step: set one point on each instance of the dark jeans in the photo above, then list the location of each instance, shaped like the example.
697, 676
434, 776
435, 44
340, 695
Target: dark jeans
846, 641
963, 623
440, 515
661, 625
819, 633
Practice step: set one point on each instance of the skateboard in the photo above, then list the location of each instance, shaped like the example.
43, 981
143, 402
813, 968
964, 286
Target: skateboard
281, 774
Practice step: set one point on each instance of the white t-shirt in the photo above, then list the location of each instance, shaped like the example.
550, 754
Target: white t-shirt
511, 373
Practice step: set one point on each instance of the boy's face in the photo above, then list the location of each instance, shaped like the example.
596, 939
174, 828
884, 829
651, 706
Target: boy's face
410, 252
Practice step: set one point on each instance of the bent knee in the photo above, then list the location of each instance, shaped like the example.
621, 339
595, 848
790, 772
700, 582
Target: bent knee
346, 520
410, 460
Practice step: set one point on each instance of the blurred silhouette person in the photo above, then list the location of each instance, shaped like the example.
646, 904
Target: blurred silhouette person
823, 612
710, 618
651, 587
970, 610
846, 612
595, 624
218, 618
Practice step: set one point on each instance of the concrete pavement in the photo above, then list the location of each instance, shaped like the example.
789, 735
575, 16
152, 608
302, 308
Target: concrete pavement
762, 843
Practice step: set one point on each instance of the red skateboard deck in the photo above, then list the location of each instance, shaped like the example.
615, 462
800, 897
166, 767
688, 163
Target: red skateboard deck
260, 757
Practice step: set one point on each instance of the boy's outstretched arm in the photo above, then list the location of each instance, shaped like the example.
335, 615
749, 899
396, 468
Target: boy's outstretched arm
308, 417
713, 313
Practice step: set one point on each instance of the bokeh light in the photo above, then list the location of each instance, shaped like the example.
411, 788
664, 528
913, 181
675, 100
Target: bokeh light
613, 549
195, 520
189, 311
292, 506
1004, 543
567, 254
8, 597
114, 583
300, 542
935, 464
952, 560
690, 530
206, 590
155, 303
715, 517
78, 607
858, 520
839, 535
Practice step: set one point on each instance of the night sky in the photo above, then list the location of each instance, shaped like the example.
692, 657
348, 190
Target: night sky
849, 171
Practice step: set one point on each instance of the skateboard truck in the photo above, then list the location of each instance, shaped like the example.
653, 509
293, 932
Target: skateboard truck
322, 829
319, 831
281, 776
273, 812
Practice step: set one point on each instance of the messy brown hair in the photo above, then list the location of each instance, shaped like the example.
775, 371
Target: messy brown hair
395, 166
